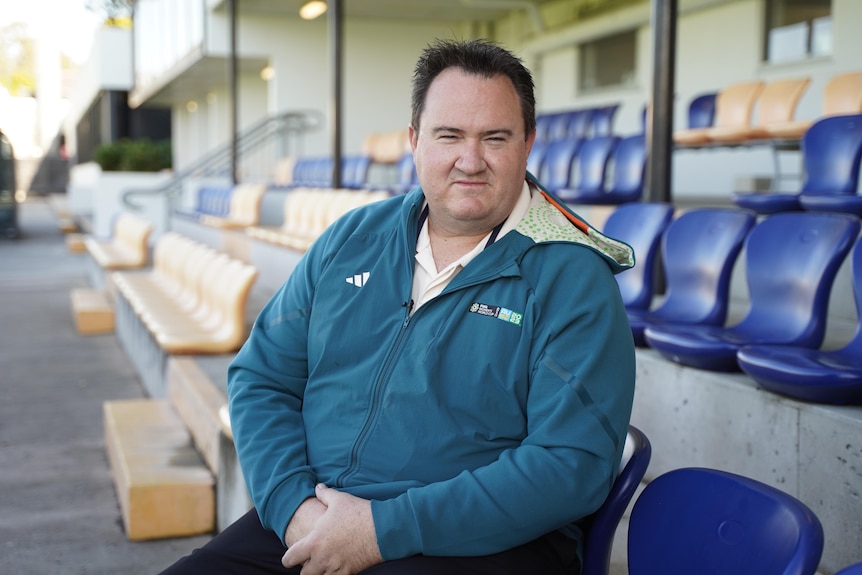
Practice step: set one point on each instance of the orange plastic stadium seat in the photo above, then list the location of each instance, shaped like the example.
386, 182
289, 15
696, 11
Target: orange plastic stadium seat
775, 107
733, 111
841, 96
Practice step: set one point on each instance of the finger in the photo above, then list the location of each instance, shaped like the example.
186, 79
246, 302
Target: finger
323, 493
295, 555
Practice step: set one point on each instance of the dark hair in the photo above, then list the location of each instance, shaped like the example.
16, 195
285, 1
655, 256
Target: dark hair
476, 57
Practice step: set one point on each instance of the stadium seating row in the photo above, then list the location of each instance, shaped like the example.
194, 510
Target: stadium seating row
309, 211
831, 156
600, 170
576, 123
726, 117
193, 299
791, 262
226, 206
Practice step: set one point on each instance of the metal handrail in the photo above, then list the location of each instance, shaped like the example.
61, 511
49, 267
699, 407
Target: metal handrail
273, 131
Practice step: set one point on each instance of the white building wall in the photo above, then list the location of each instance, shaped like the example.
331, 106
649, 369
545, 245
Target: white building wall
107, 68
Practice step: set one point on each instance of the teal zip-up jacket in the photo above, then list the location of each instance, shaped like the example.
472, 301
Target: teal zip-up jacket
494, 414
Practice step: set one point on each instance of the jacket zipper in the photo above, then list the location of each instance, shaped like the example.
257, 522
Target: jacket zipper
376, 394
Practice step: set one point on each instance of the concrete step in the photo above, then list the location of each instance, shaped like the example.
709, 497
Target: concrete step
92, 311
164, 487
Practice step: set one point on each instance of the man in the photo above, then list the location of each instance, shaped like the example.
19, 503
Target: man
460, 406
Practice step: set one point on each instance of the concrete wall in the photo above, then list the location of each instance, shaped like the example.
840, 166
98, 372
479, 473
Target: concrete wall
696, 418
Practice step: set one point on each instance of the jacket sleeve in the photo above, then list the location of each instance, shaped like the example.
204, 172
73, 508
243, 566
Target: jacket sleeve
266, 385
581, 389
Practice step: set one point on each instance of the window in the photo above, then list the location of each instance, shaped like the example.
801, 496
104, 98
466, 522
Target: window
609, 61
798, 29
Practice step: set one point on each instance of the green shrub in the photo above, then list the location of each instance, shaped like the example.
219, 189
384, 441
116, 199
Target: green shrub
134, 156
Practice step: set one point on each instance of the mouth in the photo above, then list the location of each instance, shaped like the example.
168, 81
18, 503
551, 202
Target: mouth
472, 184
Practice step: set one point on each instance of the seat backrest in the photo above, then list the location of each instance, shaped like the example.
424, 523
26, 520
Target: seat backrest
696, 520
856, 273
701, 111
641, 226
557, 165
354, 170
543, 121
592, 163
831, 152
558, 126
629, 167
536, 159
735, 103
699, 250
601, 527
777, 103
843, 94
406, 172
791, 262
602, 120
580, 122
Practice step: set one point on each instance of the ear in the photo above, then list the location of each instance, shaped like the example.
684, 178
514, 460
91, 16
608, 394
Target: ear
413, 135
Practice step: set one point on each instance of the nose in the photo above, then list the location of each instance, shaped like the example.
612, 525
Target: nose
471, 158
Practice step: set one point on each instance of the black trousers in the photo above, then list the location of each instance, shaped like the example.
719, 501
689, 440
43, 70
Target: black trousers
246, 548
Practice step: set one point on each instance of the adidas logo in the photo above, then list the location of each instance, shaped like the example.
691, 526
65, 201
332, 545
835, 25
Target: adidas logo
358, 280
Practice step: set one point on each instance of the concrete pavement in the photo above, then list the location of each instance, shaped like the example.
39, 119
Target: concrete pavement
58, 509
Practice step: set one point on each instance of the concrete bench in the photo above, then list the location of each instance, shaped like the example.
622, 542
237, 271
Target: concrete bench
92, 311
192, 301
164, 487
203, 407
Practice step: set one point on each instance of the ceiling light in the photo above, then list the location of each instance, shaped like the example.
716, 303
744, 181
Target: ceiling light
313, 9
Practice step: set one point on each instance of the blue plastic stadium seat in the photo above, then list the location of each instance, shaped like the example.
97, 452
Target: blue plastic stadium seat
580, 122
627, 166
602, 120
696, 520
831, 152
838, 191
543, 122
791, 262
855, 569
536, 159
211, 200
641, 226
592, 161
812, 374
558, 126
558, 161
601, 526
405, 179
699, 250
701, 111
354, 171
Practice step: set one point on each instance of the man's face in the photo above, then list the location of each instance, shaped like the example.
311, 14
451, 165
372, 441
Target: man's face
470, 151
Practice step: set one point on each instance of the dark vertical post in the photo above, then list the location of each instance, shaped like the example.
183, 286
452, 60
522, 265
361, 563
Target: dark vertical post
233, 81
335, 21
664, 14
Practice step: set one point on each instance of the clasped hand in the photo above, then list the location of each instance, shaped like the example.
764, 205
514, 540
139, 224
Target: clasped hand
342, 540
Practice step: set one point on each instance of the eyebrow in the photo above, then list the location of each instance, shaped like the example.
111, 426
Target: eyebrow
486, 133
